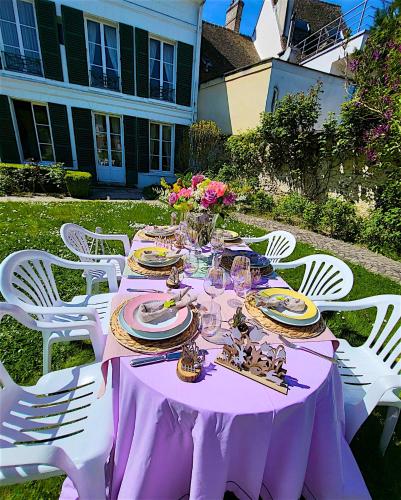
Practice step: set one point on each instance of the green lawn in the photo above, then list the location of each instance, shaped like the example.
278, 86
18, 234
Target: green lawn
36, 225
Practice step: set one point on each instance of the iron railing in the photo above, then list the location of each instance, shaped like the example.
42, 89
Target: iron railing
102, 80
352, 22
162, 93
22, 64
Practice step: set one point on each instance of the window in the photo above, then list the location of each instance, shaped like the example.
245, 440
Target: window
108, 140
274, 99
160, 147
161, 70
103, 55
19, 37
43, 132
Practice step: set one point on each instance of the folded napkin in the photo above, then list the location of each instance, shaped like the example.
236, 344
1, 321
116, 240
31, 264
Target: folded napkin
157, 311
290, 303
153, 256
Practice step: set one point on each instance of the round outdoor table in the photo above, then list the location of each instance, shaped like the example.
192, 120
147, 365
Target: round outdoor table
227, 432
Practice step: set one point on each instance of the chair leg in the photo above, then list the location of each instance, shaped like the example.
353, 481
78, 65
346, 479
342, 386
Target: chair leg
393, 413
90, 481
47, 355
88, 285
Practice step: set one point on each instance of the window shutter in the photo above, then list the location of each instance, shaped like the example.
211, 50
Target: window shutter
143, 144
61, 133
8, 143
127, 58
131, 153
83, 133
184, 73
49, 41
142, 62
75, 46
181, 149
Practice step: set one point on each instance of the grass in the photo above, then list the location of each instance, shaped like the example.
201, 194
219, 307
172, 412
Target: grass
36, 225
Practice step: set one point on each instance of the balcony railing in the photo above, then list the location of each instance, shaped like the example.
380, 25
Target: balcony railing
104, 80
22, 64
352, 22
162, 93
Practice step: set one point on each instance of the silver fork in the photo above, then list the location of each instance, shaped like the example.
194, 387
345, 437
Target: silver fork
291, 345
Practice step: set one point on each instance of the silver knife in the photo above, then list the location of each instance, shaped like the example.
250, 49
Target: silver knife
148, 360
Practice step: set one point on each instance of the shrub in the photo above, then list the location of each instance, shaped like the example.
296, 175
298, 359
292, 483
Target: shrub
17, 178
339, 220
262, 202
381, 232
206, 146
290, 207
246, 154
311, 214
151, 192
78, 183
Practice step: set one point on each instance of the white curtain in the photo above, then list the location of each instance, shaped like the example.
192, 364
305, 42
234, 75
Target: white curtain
110, 41
168, 73
25, 13
92, 31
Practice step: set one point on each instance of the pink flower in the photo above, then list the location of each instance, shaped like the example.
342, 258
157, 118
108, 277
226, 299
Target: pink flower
209, 198
197, 179
229, 198
173, 198
185, 193
218, 187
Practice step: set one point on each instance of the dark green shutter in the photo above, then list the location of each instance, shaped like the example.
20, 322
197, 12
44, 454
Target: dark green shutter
75, 47
83, 133
142, 62
49, 42
8, 143
143, 144
180, 148
61, 133
185, 55
130, 148
127, 58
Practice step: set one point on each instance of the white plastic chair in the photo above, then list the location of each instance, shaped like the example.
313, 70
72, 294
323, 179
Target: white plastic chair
27, 280
325, 277
280, 244
58, 426
371, 373
91, 247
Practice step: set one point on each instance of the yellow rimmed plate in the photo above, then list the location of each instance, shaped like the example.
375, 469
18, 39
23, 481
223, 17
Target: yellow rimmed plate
229, 235
138, 256
310, 316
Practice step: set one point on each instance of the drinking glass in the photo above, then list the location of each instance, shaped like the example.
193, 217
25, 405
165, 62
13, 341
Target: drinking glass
217, 242
241, 275
214, 283
191, 263
211, 319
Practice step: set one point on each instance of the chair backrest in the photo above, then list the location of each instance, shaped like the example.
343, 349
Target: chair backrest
80, 241
280, 244
26, 277
325, 277
385, 338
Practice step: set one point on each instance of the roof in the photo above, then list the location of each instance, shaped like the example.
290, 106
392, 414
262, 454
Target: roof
224, 50
316, 12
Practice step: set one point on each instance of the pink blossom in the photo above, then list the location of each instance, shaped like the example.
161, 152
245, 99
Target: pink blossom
229, 198
185, 193
173, 198
197, 179
218, 187
209, 198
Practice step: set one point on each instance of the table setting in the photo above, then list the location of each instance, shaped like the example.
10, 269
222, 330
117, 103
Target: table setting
223, 377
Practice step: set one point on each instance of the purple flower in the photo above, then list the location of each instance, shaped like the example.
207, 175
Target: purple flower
376, 55
391, 44
173, 198
371, 155
209, 198
388, 114
197, 179
229, 198
353, 65
380, 130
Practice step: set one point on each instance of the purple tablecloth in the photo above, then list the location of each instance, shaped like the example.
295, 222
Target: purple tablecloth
226, 432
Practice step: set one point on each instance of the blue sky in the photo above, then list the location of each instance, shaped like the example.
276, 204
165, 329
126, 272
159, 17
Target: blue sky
215, 11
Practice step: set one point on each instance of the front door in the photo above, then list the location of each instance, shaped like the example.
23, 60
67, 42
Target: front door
110, 167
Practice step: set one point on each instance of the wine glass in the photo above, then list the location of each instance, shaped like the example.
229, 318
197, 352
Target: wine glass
214, 283
241, 275
217, 242
190, 263
210, 319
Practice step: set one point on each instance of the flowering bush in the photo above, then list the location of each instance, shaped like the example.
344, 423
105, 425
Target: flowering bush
198, 193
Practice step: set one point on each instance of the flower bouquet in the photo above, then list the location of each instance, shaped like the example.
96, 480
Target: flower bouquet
201, 200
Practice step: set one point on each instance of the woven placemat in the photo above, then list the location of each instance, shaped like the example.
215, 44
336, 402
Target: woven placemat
294, 332
141, 235
147, 271
152, 346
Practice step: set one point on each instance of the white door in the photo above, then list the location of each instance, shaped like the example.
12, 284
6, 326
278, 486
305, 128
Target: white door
110, 166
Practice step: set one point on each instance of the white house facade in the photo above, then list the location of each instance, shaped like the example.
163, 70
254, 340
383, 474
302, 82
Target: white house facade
105, 86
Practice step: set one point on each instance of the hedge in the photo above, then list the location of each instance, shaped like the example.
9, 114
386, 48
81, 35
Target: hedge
18, 178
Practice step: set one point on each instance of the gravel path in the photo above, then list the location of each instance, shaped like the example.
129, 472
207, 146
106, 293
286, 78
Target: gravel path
358, 255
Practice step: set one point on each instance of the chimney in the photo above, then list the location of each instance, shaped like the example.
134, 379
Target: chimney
234, 14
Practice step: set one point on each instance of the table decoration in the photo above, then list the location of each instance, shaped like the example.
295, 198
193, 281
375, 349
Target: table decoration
270, 324
261, 363
189, 366
173, 280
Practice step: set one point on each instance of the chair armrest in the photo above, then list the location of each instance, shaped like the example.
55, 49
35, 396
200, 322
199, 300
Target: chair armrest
379, 387
287, 265
115, 237
89, 312
352, 305
93, 327
96, 258
255, 239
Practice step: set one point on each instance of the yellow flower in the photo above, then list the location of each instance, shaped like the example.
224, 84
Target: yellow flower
176, 188
164, 183
204, 184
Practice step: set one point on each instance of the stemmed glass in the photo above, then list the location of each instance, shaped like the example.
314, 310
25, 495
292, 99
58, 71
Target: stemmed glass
214, 283
190, 263
241, 275
217, 242
211, 319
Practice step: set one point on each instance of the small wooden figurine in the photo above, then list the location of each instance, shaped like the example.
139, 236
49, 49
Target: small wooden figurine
189, 366
173, 281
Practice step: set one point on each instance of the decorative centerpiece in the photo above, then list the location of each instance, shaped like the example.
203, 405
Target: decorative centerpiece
200, 200
262, 363
189, 366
